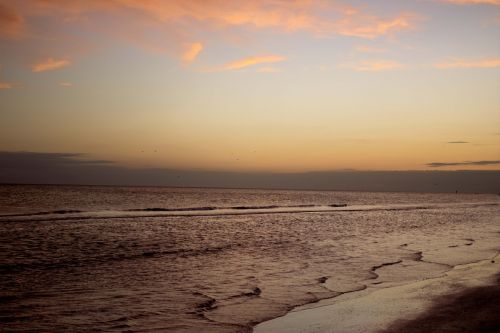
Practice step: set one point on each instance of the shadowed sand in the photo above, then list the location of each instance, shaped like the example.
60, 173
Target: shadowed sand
473, 310
464, 299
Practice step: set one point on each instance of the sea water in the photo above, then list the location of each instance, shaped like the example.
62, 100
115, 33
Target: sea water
95, 258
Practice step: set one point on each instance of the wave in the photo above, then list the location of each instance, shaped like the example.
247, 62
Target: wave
208, 208
155, 209
50, 212
68, 214
160, 209
88, 261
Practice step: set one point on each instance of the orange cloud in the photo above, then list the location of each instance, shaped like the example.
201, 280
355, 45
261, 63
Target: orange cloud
6, 85
370, 27
250, 61
268, 70
65, 84
369, 49
373, 65
460, 63
50, 64
473, 2
317, 16
164, 26
191, 52
11, 23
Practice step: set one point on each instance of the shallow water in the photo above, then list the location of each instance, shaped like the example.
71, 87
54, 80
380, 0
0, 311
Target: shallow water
213, 260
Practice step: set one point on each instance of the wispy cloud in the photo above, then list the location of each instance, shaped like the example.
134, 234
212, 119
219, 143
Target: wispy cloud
191, 51
457, 142
476, 163
462, 63
50, 64
269, 70
369, 49
370, 27
250, 61
65, 84
6, 85
473, 2
373, 65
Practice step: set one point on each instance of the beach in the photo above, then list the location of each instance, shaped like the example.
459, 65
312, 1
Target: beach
464, 299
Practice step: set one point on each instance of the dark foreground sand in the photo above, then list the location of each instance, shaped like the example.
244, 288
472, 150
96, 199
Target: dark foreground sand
464, 299
473, 310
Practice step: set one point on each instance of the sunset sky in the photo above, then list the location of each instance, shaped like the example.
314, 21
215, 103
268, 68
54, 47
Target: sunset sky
262, 85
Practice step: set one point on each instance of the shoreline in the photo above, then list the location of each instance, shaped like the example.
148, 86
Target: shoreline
417, 306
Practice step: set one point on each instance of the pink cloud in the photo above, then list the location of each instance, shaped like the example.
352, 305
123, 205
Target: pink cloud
50, 64
370, 27
185, 17
11, 22
373, 65
269, 70
164, 26
477, 63
6, 85
250, 61
473, 2
191, 52
288, 16
369, 49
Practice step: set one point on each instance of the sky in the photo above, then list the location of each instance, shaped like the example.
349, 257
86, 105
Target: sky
253, 86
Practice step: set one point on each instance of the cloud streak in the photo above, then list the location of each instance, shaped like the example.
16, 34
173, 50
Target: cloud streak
50, 64
473, 2
373, 65
458, 142
475, 163
250, 61
369, 49
461, 63
191, 52
268, 70
6, 85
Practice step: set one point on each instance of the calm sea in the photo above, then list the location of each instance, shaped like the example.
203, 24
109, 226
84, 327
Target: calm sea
90, 258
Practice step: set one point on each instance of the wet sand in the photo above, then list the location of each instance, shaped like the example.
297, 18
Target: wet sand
464, 299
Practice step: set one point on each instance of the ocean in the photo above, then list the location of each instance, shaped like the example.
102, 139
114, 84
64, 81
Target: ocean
103, 258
